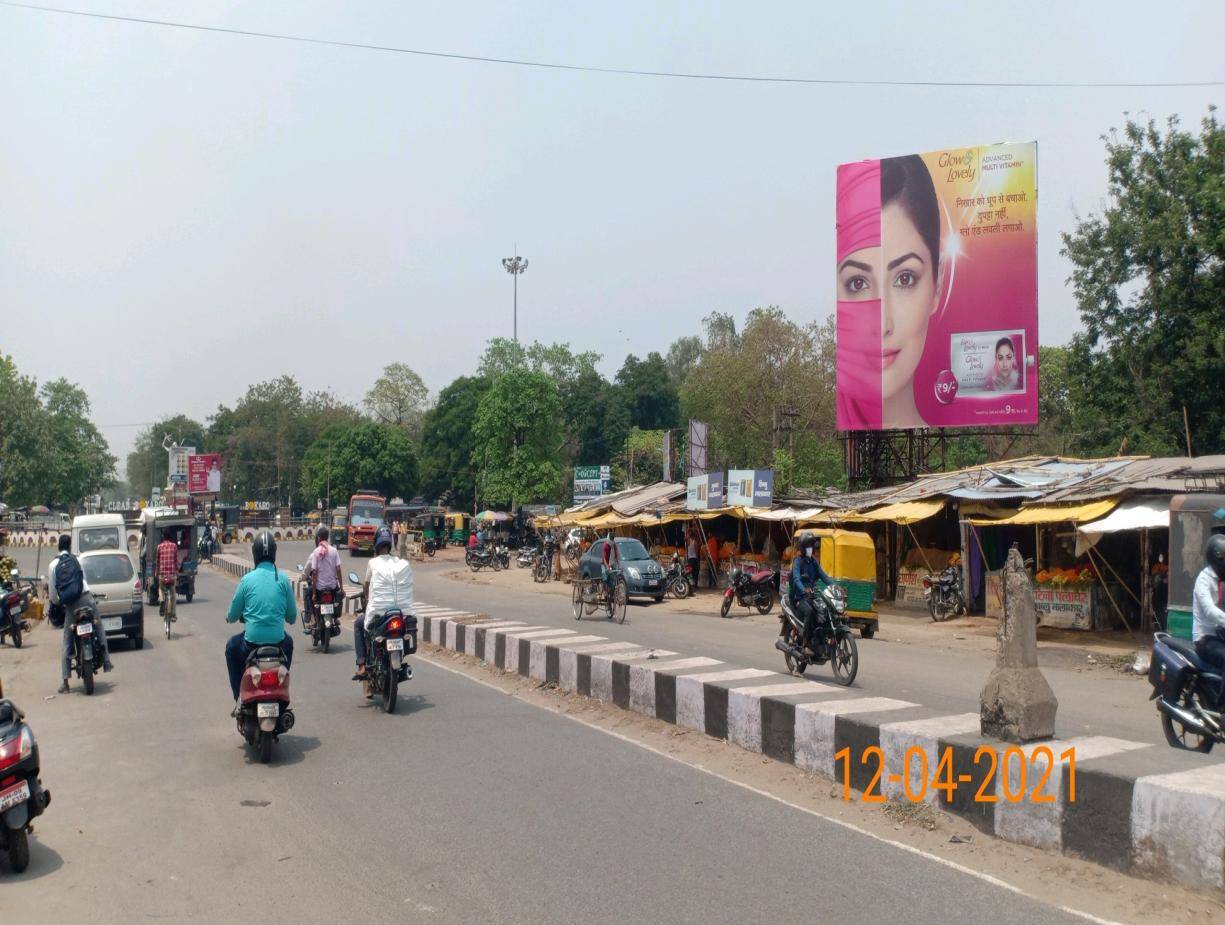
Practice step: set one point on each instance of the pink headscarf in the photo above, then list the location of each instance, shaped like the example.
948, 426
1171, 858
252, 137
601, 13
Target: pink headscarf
858, 208
858, 369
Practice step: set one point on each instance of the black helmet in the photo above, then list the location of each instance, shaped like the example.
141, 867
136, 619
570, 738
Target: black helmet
806, 539
382, 537
1215, 554
321, 534
263, 547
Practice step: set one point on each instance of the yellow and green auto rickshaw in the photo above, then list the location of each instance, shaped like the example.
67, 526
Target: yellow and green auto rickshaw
849, 557
459, 527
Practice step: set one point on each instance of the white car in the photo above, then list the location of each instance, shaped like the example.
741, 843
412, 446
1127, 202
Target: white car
115, 585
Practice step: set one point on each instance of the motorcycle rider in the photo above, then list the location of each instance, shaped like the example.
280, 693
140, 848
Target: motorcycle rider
264, 601
322, 574
805, 572
1207, 615
388, 585
61, 608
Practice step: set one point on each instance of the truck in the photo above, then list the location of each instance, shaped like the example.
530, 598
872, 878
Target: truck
367, 512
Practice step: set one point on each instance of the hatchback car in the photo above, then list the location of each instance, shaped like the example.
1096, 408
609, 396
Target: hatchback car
114, 584
643, 576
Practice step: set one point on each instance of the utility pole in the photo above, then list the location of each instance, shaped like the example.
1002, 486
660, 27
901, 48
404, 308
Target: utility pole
514, 266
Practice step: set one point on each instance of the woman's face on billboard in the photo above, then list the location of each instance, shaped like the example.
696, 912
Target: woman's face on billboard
1005, 359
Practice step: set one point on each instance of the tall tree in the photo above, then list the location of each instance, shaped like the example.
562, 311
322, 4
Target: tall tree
79, 463
399, 397
365, 454
596, 418
650, 393
518, 439
147, 463
23, 436
262, 439
684, 354
1149, 278
448, 440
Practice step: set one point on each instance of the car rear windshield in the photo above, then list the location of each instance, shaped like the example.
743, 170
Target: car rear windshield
106, 570
631, 549
91, 538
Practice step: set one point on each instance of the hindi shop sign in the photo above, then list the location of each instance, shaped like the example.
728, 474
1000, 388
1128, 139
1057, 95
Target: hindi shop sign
704, 492
204, 474
591, 482
750, 487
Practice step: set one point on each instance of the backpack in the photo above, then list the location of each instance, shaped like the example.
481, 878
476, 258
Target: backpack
69, 581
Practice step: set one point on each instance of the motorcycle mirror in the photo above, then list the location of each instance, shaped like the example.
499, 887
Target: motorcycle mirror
353, 578
299, 567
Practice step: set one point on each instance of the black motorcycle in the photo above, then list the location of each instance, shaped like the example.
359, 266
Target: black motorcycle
481, 557
86, 658
751, 588
429, 546
22, 797
205, 547
14, 601
831, 636
944, 595
388, 641
1186, 690
676, 582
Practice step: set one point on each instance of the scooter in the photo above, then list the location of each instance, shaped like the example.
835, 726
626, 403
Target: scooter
22, 797
755, 588
263, 700
14, 600
832, 640
1186, 690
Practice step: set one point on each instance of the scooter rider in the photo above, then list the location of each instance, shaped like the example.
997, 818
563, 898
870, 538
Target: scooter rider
60, 607
388, 585
322, 574
805, 572
264, 601
1207, 615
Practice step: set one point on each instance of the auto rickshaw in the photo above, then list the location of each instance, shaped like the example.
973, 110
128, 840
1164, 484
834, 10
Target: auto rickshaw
338, 533
459, 528
433, 525
849, 557
1193, 519
157, 524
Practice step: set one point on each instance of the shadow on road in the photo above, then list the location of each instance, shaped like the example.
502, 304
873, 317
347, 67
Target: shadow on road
289, 749
406, 704
43, 861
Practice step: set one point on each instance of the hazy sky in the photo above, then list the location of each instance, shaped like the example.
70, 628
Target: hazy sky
184, 213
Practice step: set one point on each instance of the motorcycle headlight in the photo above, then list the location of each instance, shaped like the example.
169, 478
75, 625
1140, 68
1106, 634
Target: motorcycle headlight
633, 572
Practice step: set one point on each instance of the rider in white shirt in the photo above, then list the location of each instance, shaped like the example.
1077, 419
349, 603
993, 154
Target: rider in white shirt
388, 585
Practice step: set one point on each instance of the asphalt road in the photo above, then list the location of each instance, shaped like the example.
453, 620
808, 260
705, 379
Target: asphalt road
466, 805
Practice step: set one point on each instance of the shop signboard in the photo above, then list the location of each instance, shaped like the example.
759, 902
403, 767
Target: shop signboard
179, 456
750, 487
704, 492
1066, 608
591, 482
937, 296
204, 474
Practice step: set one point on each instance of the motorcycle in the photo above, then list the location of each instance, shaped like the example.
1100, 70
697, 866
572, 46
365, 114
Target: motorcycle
1186, 691
676, 582
325, 613
393, 636
205, 547
263, 700
481, 557
430, 546
14, 601
527, 556
832, 640
542, 567
86, 660
755, 588
22, 797
944, 595
502, 554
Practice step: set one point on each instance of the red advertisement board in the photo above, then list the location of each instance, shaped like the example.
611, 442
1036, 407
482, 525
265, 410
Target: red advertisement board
204, 474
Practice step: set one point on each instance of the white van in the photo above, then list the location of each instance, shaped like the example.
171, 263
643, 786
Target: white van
99, 531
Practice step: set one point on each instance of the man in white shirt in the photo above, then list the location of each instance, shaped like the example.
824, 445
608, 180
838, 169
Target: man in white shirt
86, 599
388, 585
1207, 615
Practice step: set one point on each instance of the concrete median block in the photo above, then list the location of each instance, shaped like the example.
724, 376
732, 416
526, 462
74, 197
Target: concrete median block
744, 706
1178, 826
815, 729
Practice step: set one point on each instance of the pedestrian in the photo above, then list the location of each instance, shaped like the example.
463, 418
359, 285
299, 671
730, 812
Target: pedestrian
693, 553
712, 546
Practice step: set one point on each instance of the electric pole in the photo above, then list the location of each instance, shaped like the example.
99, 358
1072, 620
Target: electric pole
514, 266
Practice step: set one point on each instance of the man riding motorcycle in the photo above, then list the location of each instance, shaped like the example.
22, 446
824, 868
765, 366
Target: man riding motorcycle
805, 572
388, 585
322, 574
60, 610
264, 601
1207, 615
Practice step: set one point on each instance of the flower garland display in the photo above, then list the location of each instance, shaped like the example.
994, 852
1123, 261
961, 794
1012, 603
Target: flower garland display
1062, 577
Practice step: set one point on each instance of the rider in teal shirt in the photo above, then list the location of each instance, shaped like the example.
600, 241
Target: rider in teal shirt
264, 600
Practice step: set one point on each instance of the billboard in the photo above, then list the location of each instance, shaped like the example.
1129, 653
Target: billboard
178, 464
937, 289
704, 492
695, 463
204, 474
591, 482
750, 487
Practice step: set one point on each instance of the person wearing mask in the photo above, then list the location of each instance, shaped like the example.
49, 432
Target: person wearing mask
264, 601
388, 585
693, 553
322, 574
1207, 615
167, 558
68, 591
805, 572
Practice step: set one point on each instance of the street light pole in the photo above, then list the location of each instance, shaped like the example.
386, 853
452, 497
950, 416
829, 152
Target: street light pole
514, 266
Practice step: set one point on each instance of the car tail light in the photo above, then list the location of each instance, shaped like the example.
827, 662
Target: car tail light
395, 626
137, 587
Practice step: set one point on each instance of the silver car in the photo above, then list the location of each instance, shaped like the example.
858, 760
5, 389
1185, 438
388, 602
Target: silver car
115, 585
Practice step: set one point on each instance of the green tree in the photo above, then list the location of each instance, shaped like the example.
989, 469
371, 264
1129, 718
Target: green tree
1149, 278
684, 354
650, 394
596, 419
262, 440
448, 441
23, 436
147, 463
366, 454
399, 397
518, 439
79, 463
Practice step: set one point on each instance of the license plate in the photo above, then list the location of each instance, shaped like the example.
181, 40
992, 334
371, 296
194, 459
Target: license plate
327, 609
84, 629
653, 583
15, 795
267, 710
395, 645
112, 624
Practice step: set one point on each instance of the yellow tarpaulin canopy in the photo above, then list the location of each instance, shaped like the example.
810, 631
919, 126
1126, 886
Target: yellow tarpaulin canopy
1052, 514
906, 512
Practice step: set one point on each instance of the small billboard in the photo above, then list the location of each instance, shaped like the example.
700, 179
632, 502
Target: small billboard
179, 456
591, 482
750, 487
704, 492
204, 474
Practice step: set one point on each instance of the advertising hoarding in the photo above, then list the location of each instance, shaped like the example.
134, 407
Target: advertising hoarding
750, 487
179, 456
937, 289
204, 474
591, 482
704, 492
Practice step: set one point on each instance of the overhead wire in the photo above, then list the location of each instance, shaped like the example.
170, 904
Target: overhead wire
620, 71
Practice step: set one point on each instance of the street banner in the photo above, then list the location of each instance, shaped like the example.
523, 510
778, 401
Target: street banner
179, 455
591, 482
204, 474
937, 289
750, 487
704, 492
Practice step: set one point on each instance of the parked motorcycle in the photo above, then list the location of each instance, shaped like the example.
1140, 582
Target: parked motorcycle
832, 640
22, 796
527, 556
502, 554
1186, 691
263, 700
676, 582
430, 546
86, 660
14, 601
751, 588
388, 641
944, 595
482, 557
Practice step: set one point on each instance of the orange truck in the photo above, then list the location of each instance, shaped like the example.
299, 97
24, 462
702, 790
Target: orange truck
367, 512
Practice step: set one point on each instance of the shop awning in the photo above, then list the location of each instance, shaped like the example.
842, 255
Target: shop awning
906, 512
1136, 514
781, 515
1051, 514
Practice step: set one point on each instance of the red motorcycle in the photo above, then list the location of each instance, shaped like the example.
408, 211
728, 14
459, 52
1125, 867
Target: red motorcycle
755, 587
263, 699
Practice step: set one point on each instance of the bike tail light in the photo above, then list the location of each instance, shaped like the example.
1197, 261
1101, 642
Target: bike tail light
271, 678
395, 626
16, 749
